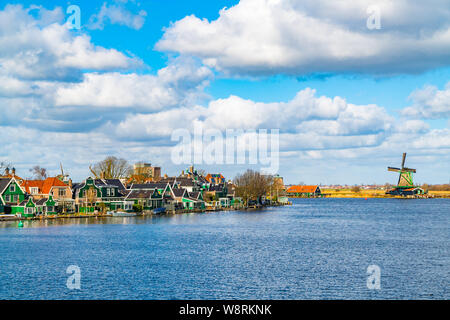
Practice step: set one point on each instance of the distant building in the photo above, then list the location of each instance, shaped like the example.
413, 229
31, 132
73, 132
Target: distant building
145, 172
215, 178
304, 191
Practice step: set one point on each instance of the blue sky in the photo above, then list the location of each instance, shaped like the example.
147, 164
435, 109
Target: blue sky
348, 100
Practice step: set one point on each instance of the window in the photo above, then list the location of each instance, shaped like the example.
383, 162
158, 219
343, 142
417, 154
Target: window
34, 190
112, 192
14, 198
12, 188
7, 198
62, 192
108, 192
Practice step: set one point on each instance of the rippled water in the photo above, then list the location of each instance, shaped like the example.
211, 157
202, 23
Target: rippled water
315, 249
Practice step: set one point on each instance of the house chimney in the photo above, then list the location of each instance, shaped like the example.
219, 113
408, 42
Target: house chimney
13, 171
102, 175
70, 183
7, 171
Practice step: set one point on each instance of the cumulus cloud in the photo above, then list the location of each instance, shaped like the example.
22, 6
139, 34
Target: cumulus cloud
117, 14
172, 86
42, 48
305, 122
429, 103
101, 98
266, 37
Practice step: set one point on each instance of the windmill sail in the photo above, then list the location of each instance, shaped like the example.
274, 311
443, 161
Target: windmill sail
405, 185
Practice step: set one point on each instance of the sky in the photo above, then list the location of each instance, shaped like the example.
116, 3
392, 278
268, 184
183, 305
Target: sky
349, 85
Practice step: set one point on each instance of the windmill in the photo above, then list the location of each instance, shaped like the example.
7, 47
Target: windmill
405, 185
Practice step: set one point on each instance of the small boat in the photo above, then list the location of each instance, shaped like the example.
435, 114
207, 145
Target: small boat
159, 210
123, 214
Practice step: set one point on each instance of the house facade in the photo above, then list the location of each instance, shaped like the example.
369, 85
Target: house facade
99, 194
11, 195
60, 193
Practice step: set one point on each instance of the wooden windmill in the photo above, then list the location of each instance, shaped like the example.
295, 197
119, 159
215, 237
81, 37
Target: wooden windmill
405, 184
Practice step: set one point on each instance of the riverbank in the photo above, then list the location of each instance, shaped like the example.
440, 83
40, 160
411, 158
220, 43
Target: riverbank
102, 215
348, 193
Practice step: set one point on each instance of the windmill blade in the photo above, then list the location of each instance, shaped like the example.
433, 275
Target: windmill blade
409, 170
403, 160
394, 169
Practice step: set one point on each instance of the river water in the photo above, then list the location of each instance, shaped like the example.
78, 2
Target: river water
314, 249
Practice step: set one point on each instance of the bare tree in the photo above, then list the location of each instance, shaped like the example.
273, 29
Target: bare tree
39, 173
252, 185
111, 168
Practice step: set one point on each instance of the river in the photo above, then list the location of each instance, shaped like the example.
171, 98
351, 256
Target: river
314, 249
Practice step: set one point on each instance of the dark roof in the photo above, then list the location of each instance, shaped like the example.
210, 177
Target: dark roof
114, 183
4, 183
40, 202
145, 186
168, 179
124, 192
185, 182
179, 192
194, 194
140, 194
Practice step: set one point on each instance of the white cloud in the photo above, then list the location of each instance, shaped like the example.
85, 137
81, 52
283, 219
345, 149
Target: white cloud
429, 103
117, 14
305, 122
266, 37
43, 49
182, 81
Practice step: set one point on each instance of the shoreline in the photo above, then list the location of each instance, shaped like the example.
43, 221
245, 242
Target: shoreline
100, 215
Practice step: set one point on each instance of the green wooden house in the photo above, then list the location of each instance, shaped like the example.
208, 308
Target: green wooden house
46, 206
148, 199
11, 194
100, 194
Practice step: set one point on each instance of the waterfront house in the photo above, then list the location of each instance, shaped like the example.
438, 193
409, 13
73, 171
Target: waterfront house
54, 188
156, 195
30, 207
11, 194
99, 194
148, 199
189, 200
304, 191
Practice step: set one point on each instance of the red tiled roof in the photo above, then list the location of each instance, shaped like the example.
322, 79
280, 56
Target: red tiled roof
301, 189
44, 185
27, 184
